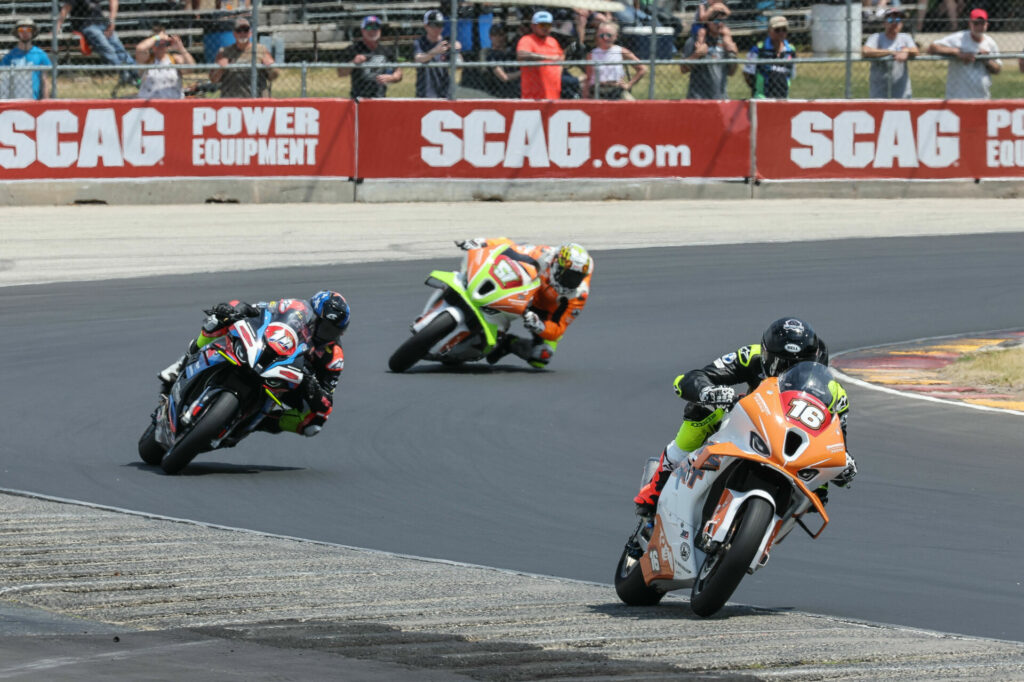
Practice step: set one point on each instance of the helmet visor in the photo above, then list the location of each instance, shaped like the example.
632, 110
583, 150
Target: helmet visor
327, 331
570, 279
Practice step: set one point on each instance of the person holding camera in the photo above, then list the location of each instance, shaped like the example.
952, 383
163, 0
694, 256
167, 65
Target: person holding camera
166, 50
433, 82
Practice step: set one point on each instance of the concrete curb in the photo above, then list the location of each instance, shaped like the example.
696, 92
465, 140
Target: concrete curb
243, 190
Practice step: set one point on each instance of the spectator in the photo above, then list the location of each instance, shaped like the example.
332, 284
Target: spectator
540, 82
771, 81
890, 79
371, 80
100, 32
709, 79
609, 81
162, 49
501, 81
218, 27
238, 82
25, 84
968, 77
431, 47
705, 10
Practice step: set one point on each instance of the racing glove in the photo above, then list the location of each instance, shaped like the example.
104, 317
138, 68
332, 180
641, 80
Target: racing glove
533, 322
315, 395
678, 385
470, 244
718, 396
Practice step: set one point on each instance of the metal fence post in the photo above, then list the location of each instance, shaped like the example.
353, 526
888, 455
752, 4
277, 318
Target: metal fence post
453, 54
849, 47
54, 47
304, 76
654, 52
255, 25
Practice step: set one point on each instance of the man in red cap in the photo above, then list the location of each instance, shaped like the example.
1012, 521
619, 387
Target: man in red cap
969, 77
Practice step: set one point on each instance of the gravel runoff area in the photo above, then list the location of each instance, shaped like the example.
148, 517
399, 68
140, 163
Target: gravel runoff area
116, 577
86, 592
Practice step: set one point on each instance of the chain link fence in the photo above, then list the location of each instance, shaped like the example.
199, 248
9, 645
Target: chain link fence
301, 48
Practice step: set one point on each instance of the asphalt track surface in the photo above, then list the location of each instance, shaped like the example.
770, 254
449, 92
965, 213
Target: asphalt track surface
534, 471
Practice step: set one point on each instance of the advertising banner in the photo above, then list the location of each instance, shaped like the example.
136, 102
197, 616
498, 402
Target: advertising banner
923, 140
176, 138
506, 139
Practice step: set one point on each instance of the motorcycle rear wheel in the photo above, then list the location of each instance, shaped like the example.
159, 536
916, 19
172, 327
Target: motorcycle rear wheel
150, 451
721, 572
417, 345
630, 585
207, 426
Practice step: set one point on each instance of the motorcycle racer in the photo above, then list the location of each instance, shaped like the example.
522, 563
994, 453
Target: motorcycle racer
565, 272
709, 393
324, 317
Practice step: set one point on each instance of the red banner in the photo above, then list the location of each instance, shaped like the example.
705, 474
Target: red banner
505, 139
924, 140
176, 138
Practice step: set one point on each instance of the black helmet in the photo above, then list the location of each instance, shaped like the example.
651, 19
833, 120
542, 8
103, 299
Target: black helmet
332, 314
788, 341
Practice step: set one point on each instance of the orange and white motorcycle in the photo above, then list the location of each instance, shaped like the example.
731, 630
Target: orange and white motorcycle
740, 494
471, 307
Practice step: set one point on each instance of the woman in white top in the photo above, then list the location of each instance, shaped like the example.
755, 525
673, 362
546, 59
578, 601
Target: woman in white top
162, 83
611, 81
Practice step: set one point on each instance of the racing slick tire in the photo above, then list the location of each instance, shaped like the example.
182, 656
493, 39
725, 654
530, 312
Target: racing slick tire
416, 346
630, 585
150, 451
207, 426
721, 572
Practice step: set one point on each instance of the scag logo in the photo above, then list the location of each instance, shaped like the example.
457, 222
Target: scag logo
59, 139
853, 140
565, 142
485, 139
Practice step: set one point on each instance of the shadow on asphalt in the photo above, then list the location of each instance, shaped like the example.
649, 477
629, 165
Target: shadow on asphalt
678, 611
207, 468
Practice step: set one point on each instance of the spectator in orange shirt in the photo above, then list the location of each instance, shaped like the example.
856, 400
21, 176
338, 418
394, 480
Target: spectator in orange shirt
540, 82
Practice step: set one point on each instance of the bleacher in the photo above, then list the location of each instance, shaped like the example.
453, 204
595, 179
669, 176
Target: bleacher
310, 30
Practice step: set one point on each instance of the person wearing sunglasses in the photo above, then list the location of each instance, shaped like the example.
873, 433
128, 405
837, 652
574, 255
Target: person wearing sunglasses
890, 49
771, 81
969, 77
238, 82
708, 76
25, 84
611, 81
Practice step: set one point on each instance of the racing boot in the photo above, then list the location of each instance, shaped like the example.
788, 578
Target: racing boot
169, 374
647, 499
503, 348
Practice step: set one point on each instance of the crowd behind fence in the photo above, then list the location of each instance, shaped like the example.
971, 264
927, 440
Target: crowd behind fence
322, 49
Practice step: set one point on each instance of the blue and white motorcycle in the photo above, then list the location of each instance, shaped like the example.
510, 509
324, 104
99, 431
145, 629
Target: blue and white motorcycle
226, 388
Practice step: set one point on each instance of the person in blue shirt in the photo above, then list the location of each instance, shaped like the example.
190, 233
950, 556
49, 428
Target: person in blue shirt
25, 84
771, 81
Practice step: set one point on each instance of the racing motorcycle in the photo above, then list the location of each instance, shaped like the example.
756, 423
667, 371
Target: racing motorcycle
739, 495
227, 388
463, 318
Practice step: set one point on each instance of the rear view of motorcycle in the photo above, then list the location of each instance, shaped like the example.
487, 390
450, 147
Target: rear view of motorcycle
226, 389
739, 495
469, 309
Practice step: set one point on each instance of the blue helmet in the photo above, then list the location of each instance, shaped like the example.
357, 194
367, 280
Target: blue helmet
332, 314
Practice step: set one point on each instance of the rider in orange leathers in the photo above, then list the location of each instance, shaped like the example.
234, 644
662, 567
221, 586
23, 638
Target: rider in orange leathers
565, 272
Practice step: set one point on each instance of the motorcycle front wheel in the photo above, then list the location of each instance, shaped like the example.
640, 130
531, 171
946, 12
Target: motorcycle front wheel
630, 585
417, 345
206, 427
721, 572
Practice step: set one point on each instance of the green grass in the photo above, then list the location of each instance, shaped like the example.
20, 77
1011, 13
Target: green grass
813, 81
